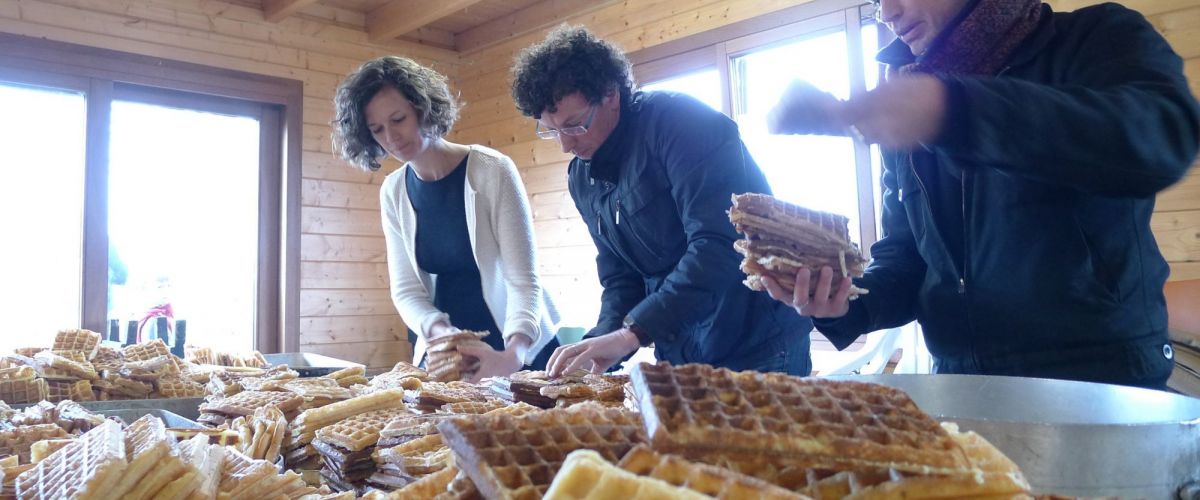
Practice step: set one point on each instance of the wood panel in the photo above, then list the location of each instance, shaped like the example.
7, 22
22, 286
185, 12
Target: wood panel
341, 221
345, 303
1178, 235
567, 260
379, 355
1182, 196
1184, 271
343, 275
339, 330
561, 233
334, 248
551, 178
319, 193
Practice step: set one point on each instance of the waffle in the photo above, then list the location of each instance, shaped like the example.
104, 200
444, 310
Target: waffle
23, 391
445, 363
418, 457
65, 365
405, 428
260, 436
395, 380
17, 373
219, 437
709, 480
247, 478
88, 468
67, 390
472, 407
28, 352
432, 395
359, 431
244, 403
19, 440
431, 486
517, 457
782, 238
107, 358
316, 418
586, 475
85, 341
145, 350
42, 449
121, 386
174, 387
698, 408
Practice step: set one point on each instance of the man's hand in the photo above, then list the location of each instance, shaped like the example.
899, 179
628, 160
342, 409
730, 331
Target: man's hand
824, 302
492, 363
806, 109
902, 113
595, 354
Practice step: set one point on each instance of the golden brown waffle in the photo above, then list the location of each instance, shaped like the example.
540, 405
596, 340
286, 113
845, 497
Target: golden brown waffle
107, 358
18, 373
394, 380
405, 428
359, 431
65, 365
698, 408
28, 351
541, 390
118, 385
472, 407
312, 420
709, 480
445, 363
42, 449
244, 403
67, 390
90, 467
85, 341
418, 457
19, 440
782, 238
208, 460
23, 391
147, 446
585, 475
517, 457
260, 436
174, 387
427, 487
145, 351
432, 395
219, 437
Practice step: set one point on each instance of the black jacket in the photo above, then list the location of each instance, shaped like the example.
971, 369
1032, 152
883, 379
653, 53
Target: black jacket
654, 197
1020, 239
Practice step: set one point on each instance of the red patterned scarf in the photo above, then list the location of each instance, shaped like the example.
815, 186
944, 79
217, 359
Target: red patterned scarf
983, 40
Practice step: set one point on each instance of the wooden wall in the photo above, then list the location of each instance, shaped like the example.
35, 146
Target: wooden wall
344, 303
566, 251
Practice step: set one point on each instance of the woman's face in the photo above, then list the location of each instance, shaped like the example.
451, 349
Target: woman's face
919, 22
395, 124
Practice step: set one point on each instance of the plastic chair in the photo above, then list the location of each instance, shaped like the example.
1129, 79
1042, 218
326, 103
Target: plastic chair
873, 357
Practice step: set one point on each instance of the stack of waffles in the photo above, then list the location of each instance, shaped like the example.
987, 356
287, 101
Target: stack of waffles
68, 415
302, 431
260, 435
430, 396
811, 434
20, 384
517, 457
209, 356
402, 376
243, 404
446, 363
411, 448
18, 441
347, 445
782, 238
539, 389
220, 437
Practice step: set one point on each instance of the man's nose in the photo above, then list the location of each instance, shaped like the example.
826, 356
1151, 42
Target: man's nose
888, 11
567, 142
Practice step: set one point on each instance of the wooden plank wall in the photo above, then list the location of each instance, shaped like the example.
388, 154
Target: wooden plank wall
566, 252
344, 303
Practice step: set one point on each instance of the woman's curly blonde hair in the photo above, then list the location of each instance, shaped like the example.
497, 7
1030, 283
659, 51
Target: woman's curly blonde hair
424, 88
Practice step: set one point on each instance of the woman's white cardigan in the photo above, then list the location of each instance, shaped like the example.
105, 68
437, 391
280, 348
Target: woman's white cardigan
499, 224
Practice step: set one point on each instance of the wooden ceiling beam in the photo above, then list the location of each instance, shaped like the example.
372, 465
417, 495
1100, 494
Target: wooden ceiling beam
277, 10
534, 17
398, 17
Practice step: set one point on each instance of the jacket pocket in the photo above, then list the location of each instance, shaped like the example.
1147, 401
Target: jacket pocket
648, 224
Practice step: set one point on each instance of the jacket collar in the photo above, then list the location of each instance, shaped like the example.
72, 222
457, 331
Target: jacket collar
897, 53
605, 164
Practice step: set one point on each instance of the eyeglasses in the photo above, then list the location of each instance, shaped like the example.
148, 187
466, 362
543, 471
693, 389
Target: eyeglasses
553, 133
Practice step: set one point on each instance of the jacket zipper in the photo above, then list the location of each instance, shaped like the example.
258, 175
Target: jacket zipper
962, 282
611, 233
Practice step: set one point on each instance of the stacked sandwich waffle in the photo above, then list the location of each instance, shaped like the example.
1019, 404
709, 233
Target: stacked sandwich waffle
431, 396
798, 433
260, 435
402, 376
517, 457
346, 448
302, 431
218, 412
20, 384
782, 238
446, 363
539, 389
68, 415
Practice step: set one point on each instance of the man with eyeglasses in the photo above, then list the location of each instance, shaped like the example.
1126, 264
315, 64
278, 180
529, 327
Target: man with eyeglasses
652, 177
1023, 149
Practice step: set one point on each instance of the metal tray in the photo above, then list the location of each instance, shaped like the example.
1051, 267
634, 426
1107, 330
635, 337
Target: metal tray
170, 419
188, 408
308, 364
1071, 438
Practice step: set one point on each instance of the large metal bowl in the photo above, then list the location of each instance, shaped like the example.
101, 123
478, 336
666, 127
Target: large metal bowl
1073, 438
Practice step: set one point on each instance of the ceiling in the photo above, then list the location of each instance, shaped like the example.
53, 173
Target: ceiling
463, 26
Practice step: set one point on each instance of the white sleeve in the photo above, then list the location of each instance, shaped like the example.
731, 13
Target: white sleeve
409, 295
513, 221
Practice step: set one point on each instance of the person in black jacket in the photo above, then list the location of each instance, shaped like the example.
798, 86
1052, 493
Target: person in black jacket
652, 177
1023, 150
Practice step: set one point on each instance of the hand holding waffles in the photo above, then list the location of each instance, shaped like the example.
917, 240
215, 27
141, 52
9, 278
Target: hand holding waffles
596, 354
493, 363
826, 301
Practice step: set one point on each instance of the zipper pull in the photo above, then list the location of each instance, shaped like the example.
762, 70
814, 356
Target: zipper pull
962, 286
618, 212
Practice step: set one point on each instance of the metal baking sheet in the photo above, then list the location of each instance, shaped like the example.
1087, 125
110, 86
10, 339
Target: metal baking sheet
308, 364
171, 420
1072, 438
188, 408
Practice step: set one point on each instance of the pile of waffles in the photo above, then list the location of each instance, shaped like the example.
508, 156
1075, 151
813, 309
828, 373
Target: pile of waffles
78, 367
690, 431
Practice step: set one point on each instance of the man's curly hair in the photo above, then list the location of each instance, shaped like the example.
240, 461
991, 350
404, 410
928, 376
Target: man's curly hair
424, 88
570, 60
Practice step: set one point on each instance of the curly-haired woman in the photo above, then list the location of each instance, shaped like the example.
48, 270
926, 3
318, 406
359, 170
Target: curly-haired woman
457, 223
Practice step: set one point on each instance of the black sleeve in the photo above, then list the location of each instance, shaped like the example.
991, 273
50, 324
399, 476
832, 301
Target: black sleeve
1123, 123
623, 288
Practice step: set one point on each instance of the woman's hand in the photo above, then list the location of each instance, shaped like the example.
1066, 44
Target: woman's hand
493, 363
825, 302
596, 354
440, 329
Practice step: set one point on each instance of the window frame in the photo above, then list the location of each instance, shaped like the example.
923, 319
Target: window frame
717, 49
104, 75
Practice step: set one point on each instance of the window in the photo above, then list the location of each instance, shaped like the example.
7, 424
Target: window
744, 69
142, 187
